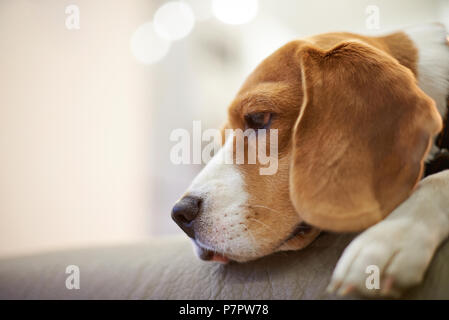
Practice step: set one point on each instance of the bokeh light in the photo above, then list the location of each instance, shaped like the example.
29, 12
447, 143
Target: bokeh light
174, 20
146, 46
235, 11
202, 9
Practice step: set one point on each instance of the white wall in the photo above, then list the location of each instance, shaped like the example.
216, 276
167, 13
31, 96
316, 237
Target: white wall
74, 121
84, 128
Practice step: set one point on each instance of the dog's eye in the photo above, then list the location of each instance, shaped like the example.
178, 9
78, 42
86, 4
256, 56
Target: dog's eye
258, 120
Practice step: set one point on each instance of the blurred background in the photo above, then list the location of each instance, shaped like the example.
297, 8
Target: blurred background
90, 91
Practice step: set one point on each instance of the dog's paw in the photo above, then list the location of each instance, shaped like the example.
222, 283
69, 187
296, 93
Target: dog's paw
385, 259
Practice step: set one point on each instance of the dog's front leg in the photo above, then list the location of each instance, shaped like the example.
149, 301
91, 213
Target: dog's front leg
399, 247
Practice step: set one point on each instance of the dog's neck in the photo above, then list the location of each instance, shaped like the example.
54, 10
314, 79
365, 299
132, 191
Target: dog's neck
432, 71
443, 138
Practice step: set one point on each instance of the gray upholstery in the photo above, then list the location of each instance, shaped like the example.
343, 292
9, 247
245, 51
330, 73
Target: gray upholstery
166, 268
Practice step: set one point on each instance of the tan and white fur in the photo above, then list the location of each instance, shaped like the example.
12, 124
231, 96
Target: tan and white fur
244, 216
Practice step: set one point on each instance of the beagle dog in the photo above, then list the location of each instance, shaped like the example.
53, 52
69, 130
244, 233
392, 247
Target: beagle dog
358, 118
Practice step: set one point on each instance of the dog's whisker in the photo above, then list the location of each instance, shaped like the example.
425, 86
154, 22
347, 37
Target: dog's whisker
260, 222
267, 227
265, 207
253, 240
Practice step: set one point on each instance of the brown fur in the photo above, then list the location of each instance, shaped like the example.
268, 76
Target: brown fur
357, 150
351, 172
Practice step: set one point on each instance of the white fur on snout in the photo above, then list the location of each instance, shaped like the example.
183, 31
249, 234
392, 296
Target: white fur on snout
221, 223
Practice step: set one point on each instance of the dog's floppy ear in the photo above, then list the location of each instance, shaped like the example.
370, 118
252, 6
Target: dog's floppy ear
360, 138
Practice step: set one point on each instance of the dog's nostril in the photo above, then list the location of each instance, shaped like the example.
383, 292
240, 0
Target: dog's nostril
184, 213
186, 209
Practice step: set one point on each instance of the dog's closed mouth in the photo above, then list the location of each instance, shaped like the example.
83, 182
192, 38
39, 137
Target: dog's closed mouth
209, 255
300, 230
302, 235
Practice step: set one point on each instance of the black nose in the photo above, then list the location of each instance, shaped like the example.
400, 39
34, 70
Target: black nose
184, 213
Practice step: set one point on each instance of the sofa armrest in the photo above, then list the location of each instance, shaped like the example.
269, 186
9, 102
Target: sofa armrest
166, 268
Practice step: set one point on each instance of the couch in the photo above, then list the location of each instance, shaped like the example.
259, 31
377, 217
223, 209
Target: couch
166, 268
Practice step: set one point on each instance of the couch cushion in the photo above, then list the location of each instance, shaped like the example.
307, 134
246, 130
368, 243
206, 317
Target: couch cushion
166, 268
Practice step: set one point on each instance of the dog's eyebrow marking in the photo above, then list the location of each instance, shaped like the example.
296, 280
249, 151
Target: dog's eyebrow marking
266, 95
251, 99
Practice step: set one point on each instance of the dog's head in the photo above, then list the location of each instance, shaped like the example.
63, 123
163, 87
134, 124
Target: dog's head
353, 128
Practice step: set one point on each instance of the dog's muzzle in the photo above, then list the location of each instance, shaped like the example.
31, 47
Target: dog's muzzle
184, 213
